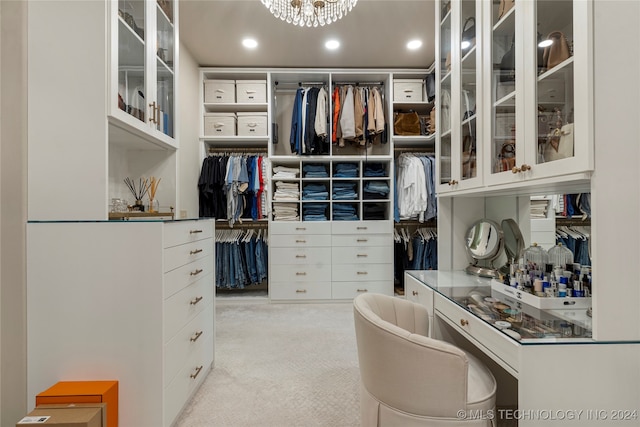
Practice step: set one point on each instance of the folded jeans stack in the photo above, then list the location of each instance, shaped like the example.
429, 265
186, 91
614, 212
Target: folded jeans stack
314, 212
376, 190
344, 212
344, 191
315, 192
346, 170
315, 171
373, 211
374, 169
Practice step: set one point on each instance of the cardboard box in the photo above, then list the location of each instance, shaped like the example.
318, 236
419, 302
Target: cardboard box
65, 392
67, 415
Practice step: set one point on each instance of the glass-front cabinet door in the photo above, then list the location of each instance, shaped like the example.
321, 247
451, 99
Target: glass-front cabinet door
541, 104
443, 97
142, 76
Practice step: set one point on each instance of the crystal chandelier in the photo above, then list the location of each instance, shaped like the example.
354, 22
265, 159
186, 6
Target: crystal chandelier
310, 13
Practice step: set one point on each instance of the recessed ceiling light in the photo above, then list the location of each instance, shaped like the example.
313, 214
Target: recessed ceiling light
332, 44
414, 44
249, 43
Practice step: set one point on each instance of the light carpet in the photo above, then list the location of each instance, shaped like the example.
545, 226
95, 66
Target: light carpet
280, 365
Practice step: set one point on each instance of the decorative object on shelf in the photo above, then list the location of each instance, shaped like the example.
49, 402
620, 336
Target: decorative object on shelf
468, 156
406, 123
560, 145
468, 35
138, 191
557, 51
505, 6
310, 13
484, 243
153, 186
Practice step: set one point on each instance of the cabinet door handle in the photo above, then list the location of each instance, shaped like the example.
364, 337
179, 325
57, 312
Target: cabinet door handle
195, 231
194, 375
301, 241
414, 293
362, 290
464, 322
152, 117
195, 337
362, 240
195, 273
301, 256
301, 228
301, 291
362, 272
361, 228
197, 251
516, 170
525, 167
195, 300
362, 255
300, 273
452, 182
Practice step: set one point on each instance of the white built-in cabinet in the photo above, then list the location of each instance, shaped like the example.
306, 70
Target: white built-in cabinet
318, 259
131, 301
83, 138
493, 83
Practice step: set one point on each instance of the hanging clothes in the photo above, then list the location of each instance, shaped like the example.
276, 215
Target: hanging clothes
241, 258
415, 196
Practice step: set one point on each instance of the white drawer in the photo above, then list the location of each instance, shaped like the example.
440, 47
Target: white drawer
300, 273
487, 338
181, 277
179, 232
220, 91
408, 90
362, 254
363, 240
300, 228
193, 372
251, 91
252, 124
362, 272
362, 227
188, 340
289, 241
180, 308
349, 290
177, 256
219, 124
299, 291
417, 292
305, 255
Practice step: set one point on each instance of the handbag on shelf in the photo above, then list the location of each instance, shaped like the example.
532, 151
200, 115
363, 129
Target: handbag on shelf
469, 34
407, 124
507, 156
557, 52
468, 157
508, 64
505, 6
559, 144
432, 120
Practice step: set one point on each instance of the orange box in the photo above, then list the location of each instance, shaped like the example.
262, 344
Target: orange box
84, 392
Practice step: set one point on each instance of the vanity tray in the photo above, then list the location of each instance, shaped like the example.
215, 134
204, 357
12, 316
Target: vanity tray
540, 302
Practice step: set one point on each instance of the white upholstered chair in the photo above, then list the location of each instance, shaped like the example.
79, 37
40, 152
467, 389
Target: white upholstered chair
408, 379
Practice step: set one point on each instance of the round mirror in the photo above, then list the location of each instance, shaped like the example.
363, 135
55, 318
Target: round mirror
484, 242
513, 243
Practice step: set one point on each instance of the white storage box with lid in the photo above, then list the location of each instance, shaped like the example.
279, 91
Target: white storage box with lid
252, 124
219, 124
220, 91
408, 90
251, 91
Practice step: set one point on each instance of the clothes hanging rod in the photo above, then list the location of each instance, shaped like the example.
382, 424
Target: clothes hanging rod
223, 224
244, 150
401, 150
299, 84
359, 83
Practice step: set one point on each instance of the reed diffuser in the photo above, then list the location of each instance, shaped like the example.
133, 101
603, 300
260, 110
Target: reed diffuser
153, 186
138, 191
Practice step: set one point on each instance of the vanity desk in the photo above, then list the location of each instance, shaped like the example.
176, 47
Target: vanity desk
545, 360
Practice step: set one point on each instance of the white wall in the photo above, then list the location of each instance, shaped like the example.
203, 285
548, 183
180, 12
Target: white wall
189, 160
13, 210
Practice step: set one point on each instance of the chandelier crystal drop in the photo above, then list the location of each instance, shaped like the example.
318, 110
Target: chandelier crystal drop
309, 13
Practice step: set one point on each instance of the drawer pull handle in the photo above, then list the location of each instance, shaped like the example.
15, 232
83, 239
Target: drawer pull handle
194, 375
414, 293
195, 231
361, 228
197, 251
362, 240
301, 256
301, 241
195, 337
195, 300
464, 322
300, 273
301, 291
362, 255
362, 272
195, 273
301, 228
362, 290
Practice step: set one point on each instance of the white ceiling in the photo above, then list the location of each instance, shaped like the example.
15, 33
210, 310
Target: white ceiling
373, 35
